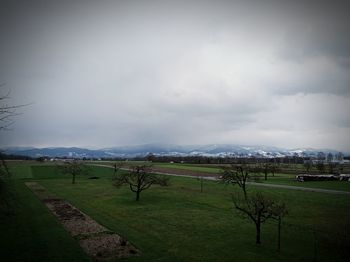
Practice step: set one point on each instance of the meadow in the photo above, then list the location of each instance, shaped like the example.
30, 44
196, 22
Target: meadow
174, 223
279, 178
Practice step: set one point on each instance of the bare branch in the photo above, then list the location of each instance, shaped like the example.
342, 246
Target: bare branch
140, 178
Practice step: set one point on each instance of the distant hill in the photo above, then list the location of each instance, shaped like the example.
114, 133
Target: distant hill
165, 149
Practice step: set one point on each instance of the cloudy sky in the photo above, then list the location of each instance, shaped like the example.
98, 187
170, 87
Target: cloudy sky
109, 73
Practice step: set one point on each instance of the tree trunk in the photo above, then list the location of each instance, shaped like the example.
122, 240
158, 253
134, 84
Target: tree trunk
279, 235
258, 242
137, 195
73, 179
265, 175
244, 191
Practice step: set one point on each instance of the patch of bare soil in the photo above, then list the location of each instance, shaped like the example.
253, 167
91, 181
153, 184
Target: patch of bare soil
73, 220
105, 246
96, 240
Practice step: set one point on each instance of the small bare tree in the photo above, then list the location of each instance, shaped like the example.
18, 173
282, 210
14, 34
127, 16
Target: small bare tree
279, 211
332, 167
117, 166
4, 170
5, 193
259, 208
273, 169
266, 168
307, 165
320, 167
236, 175
140, 178
74, 168
7, 112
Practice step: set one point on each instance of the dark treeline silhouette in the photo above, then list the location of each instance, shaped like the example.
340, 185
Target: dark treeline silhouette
183, 159
222, 160
14, 157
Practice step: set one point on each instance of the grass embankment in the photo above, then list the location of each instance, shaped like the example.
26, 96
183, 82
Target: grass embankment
30, 232
179, 223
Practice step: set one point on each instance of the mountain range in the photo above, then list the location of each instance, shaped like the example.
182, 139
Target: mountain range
165, 150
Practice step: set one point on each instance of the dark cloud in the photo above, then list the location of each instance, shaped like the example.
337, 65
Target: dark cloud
103, 73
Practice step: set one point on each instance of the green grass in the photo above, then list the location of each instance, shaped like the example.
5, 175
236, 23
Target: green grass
31, 233
21, 171
47, 172
189, 167
287, 179
178, 223
280, 178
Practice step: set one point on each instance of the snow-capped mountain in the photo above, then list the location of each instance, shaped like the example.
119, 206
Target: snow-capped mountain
166, 149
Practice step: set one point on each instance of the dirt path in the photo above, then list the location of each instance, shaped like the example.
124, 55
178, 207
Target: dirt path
184, 173
97, 241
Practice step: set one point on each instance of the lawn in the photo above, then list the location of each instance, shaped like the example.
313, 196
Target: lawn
278, 178
188, 167
178, 223
288, 179
195, 168
31, 233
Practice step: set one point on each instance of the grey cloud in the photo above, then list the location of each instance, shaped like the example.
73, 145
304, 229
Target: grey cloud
104, 73
319, 29
328, 80
321, 38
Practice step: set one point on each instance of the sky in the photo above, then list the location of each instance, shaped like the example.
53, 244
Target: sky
114, 73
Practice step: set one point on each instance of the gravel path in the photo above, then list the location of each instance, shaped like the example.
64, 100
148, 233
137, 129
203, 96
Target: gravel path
97, 241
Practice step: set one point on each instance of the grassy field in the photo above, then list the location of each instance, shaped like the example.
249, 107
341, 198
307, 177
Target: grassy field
176, 166
31, 233
278, 178
210, 170
175, 223
288, 179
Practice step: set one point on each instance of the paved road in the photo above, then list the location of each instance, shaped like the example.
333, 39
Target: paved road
318, 190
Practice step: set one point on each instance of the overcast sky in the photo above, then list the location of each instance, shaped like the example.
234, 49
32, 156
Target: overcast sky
109, 73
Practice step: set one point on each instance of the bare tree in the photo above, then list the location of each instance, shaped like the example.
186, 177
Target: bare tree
7, 112
4, 170
238, 175
258, 208
280, 210
140, 178
307, 165
7, 194
266, 169
320, 167
274, 168
117, 166
74, 168
332, 167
